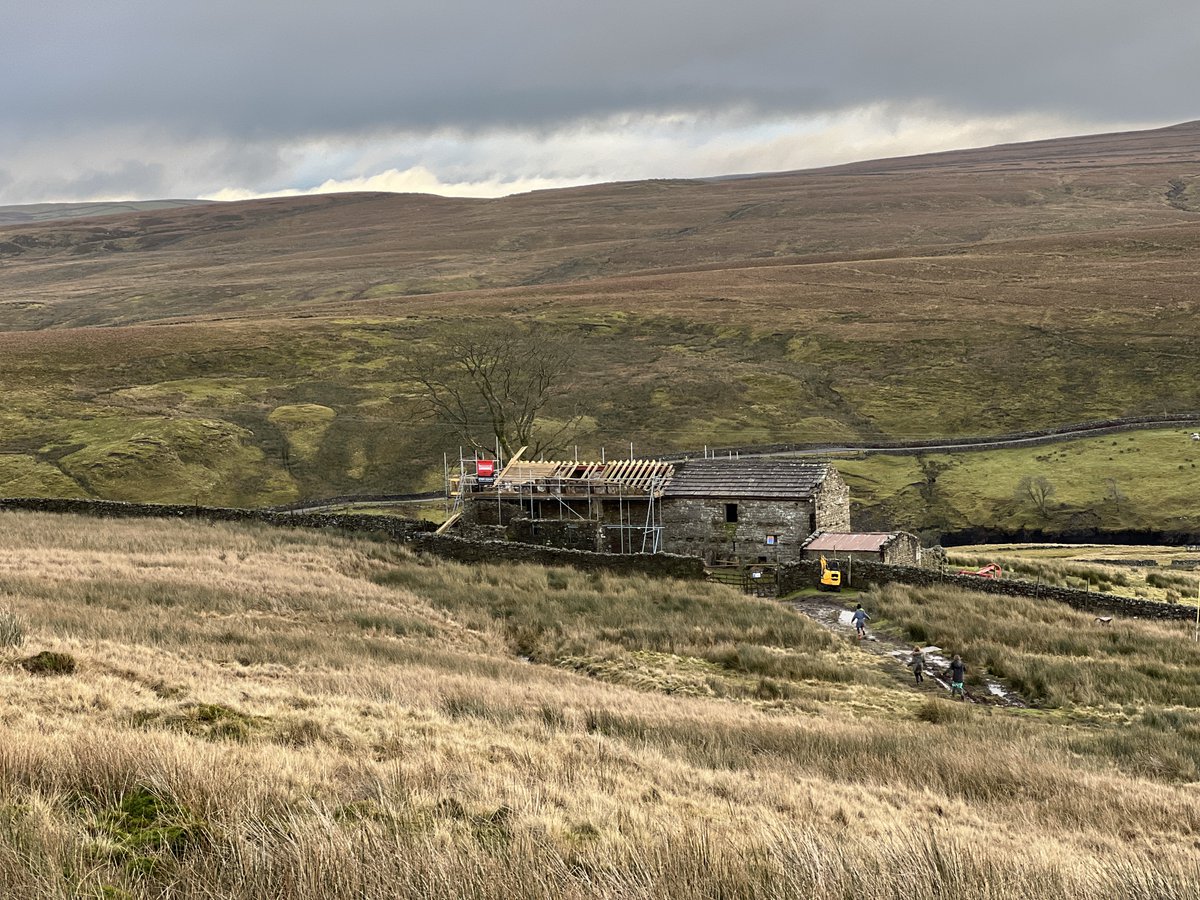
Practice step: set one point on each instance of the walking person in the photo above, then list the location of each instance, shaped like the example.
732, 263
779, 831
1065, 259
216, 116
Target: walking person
958, 673
860, 621
916, 662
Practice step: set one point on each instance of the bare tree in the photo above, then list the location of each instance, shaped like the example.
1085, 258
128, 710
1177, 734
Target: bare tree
1037, 489
1113, 493
492, 383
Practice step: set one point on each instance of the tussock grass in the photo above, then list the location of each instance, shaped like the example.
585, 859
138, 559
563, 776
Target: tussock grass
12, 629
1050, 652
270, 733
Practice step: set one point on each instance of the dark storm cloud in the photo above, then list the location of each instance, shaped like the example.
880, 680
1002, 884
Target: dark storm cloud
265, 68
128, 178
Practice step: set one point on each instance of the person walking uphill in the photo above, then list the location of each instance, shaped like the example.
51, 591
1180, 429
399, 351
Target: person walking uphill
958, 673
860, 621
916, 662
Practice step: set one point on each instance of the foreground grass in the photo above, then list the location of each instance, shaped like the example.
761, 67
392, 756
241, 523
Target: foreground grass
273, 713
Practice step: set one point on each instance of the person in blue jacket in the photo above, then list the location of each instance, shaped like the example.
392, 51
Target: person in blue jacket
860, 621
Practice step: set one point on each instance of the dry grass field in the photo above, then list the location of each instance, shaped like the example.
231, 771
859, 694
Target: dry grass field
1167, 574
250, 353
258, 712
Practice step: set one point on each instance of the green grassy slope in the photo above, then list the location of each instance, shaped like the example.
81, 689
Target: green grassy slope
1136, 480
249, 353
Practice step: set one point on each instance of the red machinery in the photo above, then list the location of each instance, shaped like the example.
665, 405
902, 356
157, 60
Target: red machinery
991, 570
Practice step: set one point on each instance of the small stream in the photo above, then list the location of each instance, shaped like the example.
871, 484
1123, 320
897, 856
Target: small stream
935, 663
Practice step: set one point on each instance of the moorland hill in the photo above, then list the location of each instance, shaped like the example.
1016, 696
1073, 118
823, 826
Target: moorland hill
286, 252
250, 352
29, 213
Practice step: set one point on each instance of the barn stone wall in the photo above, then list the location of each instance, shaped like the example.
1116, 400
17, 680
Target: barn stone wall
571, 535
903, 550
833, 503
698, 528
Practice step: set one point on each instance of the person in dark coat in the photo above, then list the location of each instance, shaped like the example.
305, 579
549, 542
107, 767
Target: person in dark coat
916, 662
958, 673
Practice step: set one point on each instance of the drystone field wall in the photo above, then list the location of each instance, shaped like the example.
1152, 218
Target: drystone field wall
805, 573
416, 534
395, 528
662, 565
419, 535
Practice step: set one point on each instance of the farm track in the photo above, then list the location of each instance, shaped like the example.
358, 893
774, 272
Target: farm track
1012, 439
835, 617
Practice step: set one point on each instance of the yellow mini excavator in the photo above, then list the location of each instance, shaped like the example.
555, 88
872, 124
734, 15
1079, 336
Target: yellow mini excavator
831, 575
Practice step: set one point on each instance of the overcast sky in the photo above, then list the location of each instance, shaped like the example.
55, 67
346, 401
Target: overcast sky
144, 99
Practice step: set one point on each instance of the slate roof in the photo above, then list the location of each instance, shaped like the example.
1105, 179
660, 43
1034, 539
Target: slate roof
747, 479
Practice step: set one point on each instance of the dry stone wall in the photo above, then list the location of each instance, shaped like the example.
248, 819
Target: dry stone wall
391, 526
794, 576
419, 535
662, 565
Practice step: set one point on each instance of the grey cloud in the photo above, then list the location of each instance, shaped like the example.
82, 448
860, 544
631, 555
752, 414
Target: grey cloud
183, 98
283, 69
129, 178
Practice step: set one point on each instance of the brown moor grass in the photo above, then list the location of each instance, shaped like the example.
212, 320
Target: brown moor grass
273, 713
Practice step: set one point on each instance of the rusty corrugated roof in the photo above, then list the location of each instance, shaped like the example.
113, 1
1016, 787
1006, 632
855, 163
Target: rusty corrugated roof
757, 479
849, 541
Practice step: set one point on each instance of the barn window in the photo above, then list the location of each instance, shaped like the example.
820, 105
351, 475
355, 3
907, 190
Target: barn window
730, 512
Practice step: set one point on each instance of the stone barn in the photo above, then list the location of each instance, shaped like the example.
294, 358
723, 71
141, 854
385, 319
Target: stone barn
895, 548
749, 511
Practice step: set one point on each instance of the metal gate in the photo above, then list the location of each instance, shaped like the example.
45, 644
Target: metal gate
757, 580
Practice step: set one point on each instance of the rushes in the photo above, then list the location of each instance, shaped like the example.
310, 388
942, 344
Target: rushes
12, 628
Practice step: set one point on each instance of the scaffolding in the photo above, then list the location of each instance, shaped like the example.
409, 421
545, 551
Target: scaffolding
573, 492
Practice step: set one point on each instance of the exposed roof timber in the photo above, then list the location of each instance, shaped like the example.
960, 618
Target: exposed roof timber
632, 475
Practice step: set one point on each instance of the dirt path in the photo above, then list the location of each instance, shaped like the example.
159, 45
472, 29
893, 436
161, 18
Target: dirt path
832, 613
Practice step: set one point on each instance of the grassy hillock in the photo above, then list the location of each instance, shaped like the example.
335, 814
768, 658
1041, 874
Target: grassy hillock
256, 712
1135, 480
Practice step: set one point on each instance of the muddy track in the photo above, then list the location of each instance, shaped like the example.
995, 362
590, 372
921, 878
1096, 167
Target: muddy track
950, 445
835, 616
